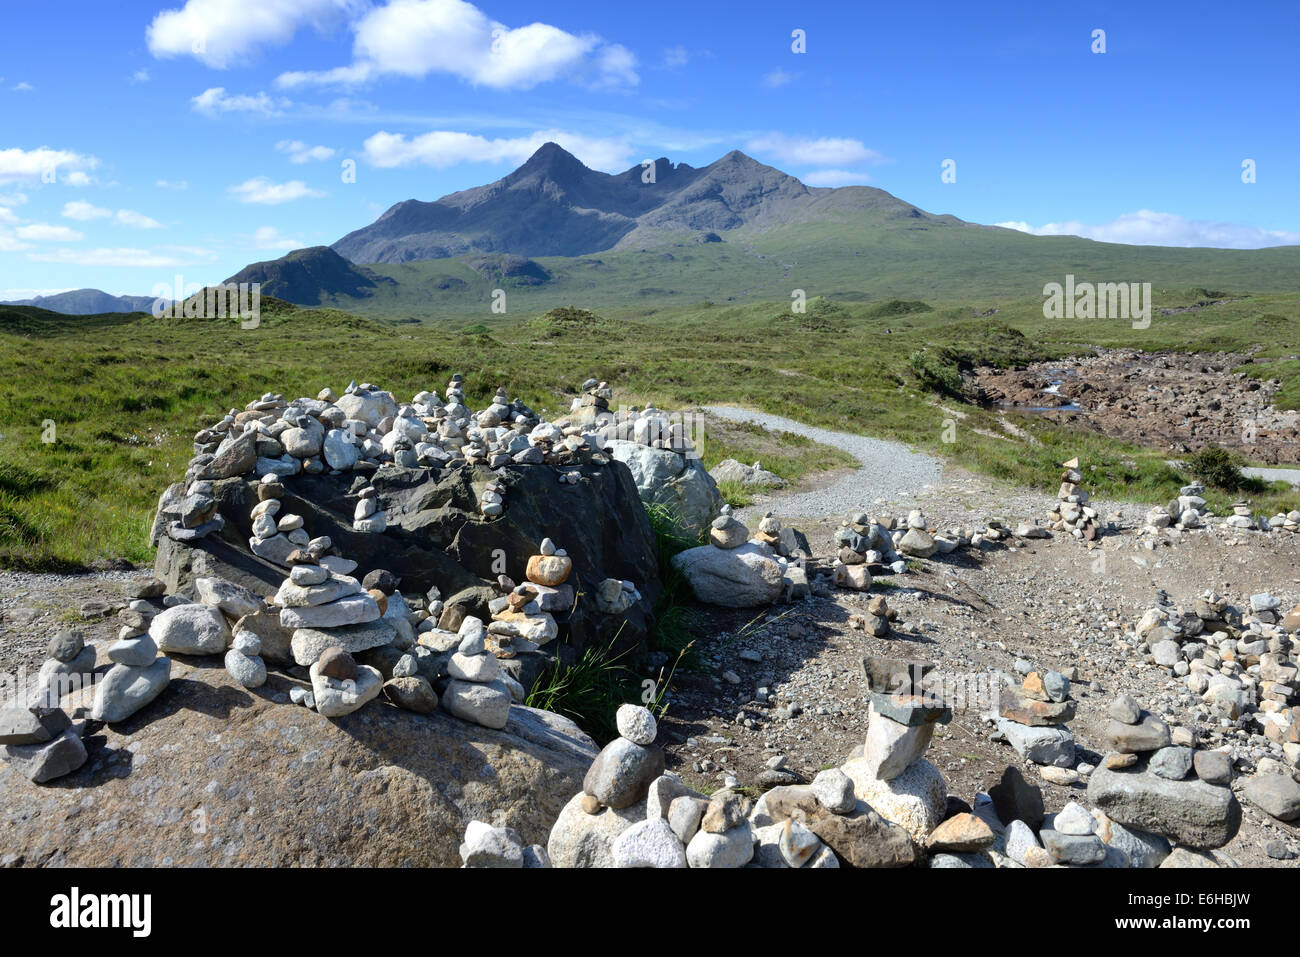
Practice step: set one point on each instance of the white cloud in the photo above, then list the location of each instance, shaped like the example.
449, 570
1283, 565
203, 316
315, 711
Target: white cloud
268, 237
84, 212
300, 152
129, 217
24, 87
262, 190
117, 257
214, 101
175, 185
7, 216
442, 148
17, 165
140, 76
46, 233
338, 76
9, 243
777, 78
835, 177
676, 57
413, 38
803, 151
12, 199
222, 32
1150, 228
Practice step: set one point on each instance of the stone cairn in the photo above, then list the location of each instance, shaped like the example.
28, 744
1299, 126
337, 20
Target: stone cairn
727, 531
366, 428
876, 621
1073, 514
867, 546
863, 545
1189, 512
1033, 720
1242, 666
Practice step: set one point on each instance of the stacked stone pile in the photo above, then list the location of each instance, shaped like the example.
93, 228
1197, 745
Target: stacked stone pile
891, 774
1150, 783
69, 665
192, 514
139, 674
1033, 719
1073, 514
324, 610
474, 690
369, 516
729, 470
877, 618
1241, 664
736, 572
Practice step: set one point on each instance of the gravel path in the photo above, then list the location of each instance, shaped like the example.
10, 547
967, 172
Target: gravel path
890, 471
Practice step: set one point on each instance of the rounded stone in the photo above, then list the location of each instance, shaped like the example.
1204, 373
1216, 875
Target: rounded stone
337, 663
66, 645
248, 670
637, 724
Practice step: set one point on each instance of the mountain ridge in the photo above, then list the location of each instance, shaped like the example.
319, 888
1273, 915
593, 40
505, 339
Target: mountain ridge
554, 205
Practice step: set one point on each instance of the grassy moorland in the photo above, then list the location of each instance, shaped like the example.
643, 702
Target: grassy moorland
125, 393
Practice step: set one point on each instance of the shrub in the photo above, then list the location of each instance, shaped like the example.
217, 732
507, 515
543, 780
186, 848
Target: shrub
1218, 467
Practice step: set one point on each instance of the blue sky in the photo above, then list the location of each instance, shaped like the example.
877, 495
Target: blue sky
191, 138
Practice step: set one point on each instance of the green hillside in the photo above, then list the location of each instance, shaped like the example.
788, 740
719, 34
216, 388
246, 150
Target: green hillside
126, 393
858, 257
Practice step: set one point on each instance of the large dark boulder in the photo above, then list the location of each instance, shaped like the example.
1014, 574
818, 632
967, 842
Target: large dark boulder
436, 537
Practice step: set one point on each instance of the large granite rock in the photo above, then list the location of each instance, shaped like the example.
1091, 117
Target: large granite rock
1190, 812
216, 775
667, 478
744, 577
437, 537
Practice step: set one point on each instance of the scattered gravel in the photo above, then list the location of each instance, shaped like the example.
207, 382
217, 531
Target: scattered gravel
890, 471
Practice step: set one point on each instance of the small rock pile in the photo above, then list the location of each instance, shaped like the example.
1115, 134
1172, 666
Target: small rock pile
368, 516
1073, 514
1033, 720
475, 691
70, 665
139, 674
1241, 664
1151, 783
41, 742
193, 514
737, 572
891, 773
324, 609
727, 531
876, 621
863, 545
729, 470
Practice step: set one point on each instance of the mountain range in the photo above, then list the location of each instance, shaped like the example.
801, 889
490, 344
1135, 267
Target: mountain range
84, 302
553, 205
555, 232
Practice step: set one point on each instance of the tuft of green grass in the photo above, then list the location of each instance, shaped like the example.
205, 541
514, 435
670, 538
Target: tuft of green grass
589, 690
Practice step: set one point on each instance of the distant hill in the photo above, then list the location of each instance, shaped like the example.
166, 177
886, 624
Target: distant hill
553, 205
87, 302
310, 276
